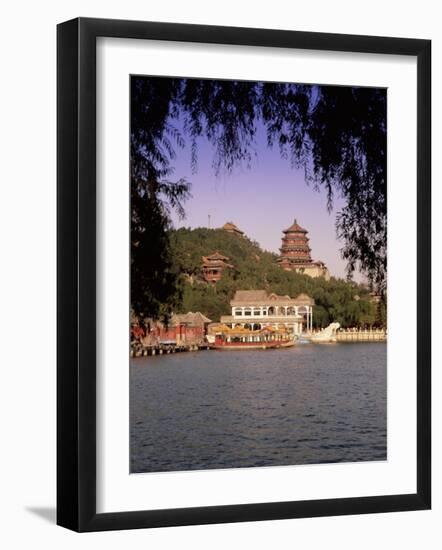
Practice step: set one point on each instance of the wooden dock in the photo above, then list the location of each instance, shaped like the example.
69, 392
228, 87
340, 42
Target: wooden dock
162, 349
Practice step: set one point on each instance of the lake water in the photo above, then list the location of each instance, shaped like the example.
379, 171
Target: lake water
227, 409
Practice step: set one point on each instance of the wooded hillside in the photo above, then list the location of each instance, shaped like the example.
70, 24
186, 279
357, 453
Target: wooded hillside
336, 300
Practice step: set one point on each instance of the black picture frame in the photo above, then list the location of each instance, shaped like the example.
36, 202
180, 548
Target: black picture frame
77, 287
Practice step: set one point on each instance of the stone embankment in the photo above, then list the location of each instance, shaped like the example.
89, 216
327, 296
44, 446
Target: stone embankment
361, 335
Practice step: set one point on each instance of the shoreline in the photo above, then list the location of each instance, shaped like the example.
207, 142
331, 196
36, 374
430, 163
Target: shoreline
166, 349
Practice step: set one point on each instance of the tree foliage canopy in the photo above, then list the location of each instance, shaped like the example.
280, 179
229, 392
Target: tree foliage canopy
336, 134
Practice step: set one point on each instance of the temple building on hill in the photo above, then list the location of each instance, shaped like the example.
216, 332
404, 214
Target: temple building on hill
255, 310
295, 253
213, 266
232, 228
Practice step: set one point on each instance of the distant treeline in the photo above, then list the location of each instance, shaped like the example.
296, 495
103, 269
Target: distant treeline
347, 303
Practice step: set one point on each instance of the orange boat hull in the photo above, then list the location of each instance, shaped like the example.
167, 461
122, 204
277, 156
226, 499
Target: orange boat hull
235, 346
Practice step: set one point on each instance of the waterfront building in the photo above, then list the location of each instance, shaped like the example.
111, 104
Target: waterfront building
190, 328
295, 253
256, 309
230, 227
182, 329
213, 266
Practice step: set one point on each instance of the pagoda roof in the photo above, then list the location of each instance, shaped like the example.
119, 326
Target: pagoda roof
215, 256
295, 227
301, 261
230, 226
295, 247
190, 318
216, 263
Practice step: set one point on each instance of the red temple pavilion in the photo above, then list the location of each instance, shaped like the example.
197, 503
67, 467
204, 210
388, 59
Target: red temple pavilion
213, 267
295, 253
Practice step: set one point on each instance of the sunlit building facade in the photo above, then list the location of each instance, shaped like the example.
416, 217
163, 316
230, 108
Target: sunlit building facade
256, 309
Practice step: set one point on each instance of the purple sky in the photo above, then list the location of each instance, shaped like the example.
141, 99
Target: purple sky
261, 200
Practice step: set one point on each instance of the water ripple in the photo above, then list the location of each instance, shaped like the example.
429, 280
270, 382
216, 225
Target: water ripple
306, 405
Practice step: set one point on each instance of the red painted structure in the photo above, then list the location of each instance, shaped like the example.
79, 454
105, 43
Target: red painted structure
185, 329
213, 266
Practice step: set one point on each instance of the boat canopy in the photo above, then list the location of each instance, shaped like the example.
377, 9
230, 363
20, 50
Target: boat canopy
242, 331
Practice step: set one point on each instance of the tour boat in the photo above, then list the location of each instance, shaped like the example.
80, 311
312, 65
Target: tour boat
239, 338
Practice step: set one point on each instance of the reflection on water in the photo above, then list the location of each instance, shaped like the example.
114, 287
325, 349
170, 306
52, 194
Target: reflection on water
304, 405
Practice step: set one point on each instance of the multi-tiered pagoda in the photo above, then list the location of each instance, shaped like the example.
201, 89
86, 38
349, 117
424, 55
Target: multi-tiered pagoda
295, 253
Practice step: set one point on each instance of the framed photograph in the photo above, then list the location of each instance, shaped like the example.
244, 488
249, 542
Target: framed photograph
243, 317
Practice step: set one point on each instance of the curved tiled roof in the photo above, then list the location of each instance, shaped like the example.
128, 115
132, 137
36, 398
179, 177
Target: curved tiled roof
190, 318
230, 226
304, 299
260, 298
215, 256
250, 295
295, 227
